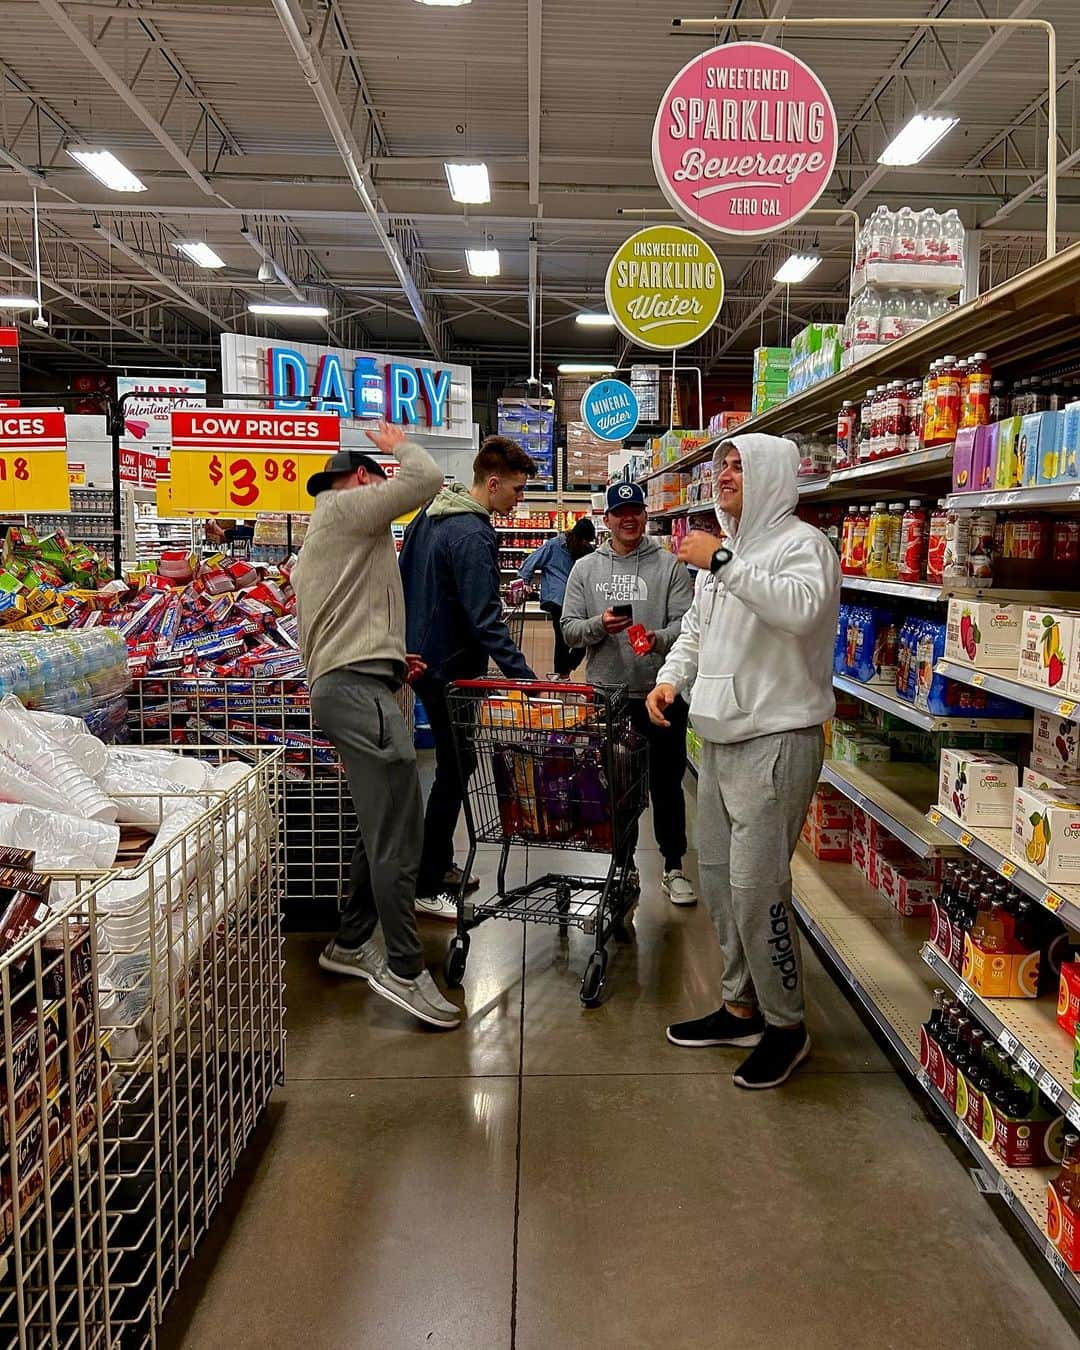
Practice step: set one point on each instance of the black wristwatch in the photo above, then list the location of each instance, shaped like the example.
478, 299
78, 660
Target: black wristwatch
720, 558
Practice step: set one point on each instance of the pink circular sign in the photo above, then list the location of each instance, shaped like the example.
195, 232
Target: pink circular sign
744, 140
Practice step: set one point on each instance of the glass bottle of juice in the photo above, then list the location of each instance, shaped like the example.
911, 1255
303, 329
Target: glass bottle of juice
859, 541
999, 401
877, 542
946, 402
847, 531
989, 929
896, 520
877, 423
1063, 1203
894, 429
913, 414
976, 410
845, 436
912, 543
929, 397
936, 537
866, 413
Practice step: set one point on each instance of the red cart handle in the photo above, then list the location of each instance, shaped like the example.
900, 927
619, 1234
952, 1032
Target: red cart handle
526, 686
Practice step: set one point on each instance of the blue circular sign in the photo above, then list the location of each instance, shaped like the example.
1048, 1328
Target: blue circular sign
609, 409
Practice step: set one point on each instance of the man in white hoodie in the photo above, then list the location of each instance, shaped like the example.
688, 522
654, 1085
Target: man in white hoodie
757, 646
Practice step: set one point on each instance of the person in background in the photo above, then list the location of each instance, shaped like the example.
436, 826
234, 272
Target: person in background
630, 572
450, 570
757, 645
553, 560
352, 634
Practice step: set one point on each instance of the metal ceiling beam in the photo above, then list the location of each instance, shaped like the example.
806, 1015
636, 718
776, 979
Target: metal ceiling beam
123, 90
534, 51
260, 249
298, 32
188, 301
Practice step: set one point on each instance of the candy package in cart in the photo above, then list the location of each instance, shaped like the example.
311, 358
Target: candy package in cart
519, 710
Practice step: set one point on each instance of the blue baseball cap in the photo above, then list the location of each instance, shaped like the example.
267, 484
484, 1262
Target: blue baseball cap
625, 494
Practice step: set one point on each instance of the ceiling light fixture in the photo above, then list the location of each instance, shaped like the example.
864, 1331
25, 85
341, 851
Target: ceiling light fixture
594, 320
106, 168
796, 268
18, 302
288, 311
483, 262
586, 368
469, 183
266, 272
446, 4
200, 253
916, 140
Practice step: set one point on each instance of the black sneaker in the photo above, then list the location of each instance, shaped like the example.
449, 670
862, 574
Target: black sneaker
718, 1028
779, 1053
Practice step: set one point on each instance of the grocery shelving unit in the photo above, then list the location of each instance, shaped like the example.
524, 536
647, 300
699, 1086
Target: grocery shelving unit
995, 683
1054, 497
883, 697
897, 796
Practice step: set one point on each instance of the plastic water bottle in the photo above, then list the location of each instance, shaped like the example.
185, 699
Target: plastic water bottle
951, 252
882, 236
928, 239
907, 231
894, 316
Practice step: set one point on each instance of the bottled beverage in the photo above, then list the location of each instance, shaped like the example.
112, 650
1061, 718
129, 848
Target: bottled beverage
877, 423
989, 929
929, 399
866, 412
912, 543
859, 538
882, 236
951, 246
1039, 397
862, 243
905, 235
1063, 1204
937, 534
913, 410
894, 316
999, 401
867, 318
847, 533
1065, 547
896, 520
928, 239
919, 311
877, 559
894, 424
982, 527
946, 402
846, 442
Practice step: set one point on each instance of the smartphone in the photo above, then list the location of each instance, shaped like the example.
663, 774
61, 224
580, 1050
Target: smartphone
623, 611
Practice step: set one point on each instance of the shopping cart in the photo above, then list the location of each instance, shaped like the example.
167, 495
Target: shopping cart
513, 615
549, 766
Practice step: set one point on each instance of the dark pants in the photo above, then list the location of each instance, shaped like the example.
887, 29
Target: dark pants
567, 658
447, 791
667, 765
362, 718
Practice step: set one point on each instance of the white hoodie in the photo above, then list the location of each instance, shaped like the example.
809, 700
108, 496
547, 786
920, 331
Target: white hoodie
757, 643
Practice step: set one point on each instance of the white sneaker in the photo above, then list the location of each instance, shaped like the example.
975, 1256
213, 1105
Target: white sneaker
678, 887
420, 997
364, 962
441, 906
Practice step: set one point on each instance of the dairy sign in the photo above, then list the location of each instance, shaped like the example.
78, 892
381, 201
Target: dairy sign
664, 287
359, 387
744, 140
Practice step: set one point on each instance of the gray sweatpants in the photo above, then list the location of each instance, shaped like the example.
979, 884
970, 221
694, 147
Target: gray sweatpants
752, 800
362, 718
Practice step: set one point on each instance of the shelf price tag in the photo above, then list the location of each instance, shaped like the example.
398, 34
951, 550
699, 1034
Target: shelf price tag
965, 838
923, 1080
965, 995
1007, 1041
1074, 1114
1028, 1063
978, 680
1057, 1261
1066, 707
33, 462
934, 816
1053, 901
1049, 1087
1007, 869
1005, 1191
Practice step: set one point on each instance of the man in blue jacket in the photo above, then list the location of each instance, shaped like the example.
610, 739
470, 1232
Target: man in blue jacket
453, 621
554, 561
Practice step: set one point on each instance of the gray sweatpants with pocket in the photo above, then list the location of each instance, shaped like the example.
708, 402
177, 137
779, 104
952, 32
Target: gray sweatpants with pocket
362, 718
752, 800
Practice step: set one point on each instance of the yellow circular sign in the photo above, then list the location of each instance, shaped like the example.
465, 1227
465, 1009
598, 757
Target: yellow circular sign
664, 287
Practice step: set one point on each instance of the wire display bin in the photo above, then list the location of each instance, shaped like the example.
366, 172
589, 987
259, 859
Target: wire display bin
190, 987
549, 766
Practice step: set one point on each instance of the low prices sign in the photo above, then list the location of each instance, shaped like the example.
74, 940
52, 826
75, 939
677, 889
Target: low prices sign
240, 463
744, 140
664, 287
33, 462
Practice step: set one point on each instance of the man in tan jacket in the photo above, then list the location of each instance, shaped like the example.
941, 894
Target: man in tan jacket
352, 632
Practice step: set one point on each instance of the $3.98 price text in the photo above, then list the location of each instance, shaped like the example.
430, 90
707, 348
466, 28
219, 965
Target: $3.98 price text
248, 479
34, 481
244, 482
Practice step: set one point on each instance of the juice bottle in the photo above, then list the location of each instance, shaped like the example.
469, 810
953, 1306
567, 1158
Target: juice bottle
954, 569
999, 401
866, 412
935, 546
929, 400
913, 541
877, 542
847, 531
846, 452
893, 430
896, 517
946, 402
976, 409
1063, 1204
859, 541
913, 401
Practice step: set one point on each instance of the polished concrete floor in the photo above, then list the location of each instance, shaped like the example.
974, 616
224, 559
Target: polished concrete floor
550, 1177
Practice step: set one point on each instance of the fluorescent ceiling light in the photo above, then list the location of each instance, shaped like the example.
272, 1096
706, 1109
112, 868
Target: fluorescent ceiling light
289, 311
469, 183
200, 253
594, 320
483, 262
917, 139
585, 368
107, 169
446, 4
18, 302
796, 268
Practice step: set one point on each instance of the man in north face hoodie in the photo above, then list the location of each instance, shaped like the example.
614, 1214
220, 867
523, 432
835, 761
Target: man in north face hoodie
630, 570
757, 646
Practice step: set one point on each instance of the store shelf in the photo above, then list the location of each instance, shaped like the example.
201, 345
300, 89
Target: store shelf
994, 683
687, 509
902, 470
905, 590
523, 528
897, 796
881, 696
877, 958
814, 486
1026, 1029
1057, 496
686, 462
991, 847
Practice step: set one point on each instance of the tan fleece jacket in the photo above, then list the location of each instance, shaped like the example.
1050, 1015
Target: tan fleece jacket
349, 601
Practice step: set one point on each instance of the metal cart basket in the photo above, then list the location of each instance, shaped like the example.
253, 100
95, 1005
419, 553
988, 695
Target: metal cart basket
549, 766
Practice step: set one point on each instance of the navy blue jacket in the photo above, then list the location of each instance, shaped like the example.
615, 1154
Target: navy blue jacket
453, 610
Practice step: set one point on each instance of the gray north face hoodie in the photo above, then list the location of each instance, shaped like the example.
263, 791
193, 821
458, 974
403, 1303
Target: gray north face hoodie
654, 582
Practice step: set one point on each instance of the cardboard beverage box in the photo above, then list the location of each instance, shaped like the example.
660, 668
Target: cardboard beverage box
1068, 1006
984, 460
983, 634
829, 845
1040, 781
977, 787
1063, 1225
1055, 740
906, 888
964, 453
1029, 1141
1046, 644
1027, 448
1000, 974
1046, 835
1007, 472
1049, 466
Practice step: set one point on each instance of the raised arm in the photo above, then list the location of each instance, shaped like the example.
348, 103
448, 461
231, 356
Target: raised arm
370, 510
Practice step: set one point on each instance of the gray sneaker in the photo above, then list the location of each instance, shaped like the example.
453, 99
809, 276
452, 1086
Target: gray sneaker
365, 962
421, 997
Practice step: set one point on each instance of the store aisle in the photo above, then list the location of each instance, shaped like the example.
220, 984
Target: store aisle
656, 1204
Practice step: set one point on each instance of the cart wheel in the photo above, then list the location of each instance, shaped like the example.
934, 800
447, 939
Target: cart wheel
592, 984
454, 964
